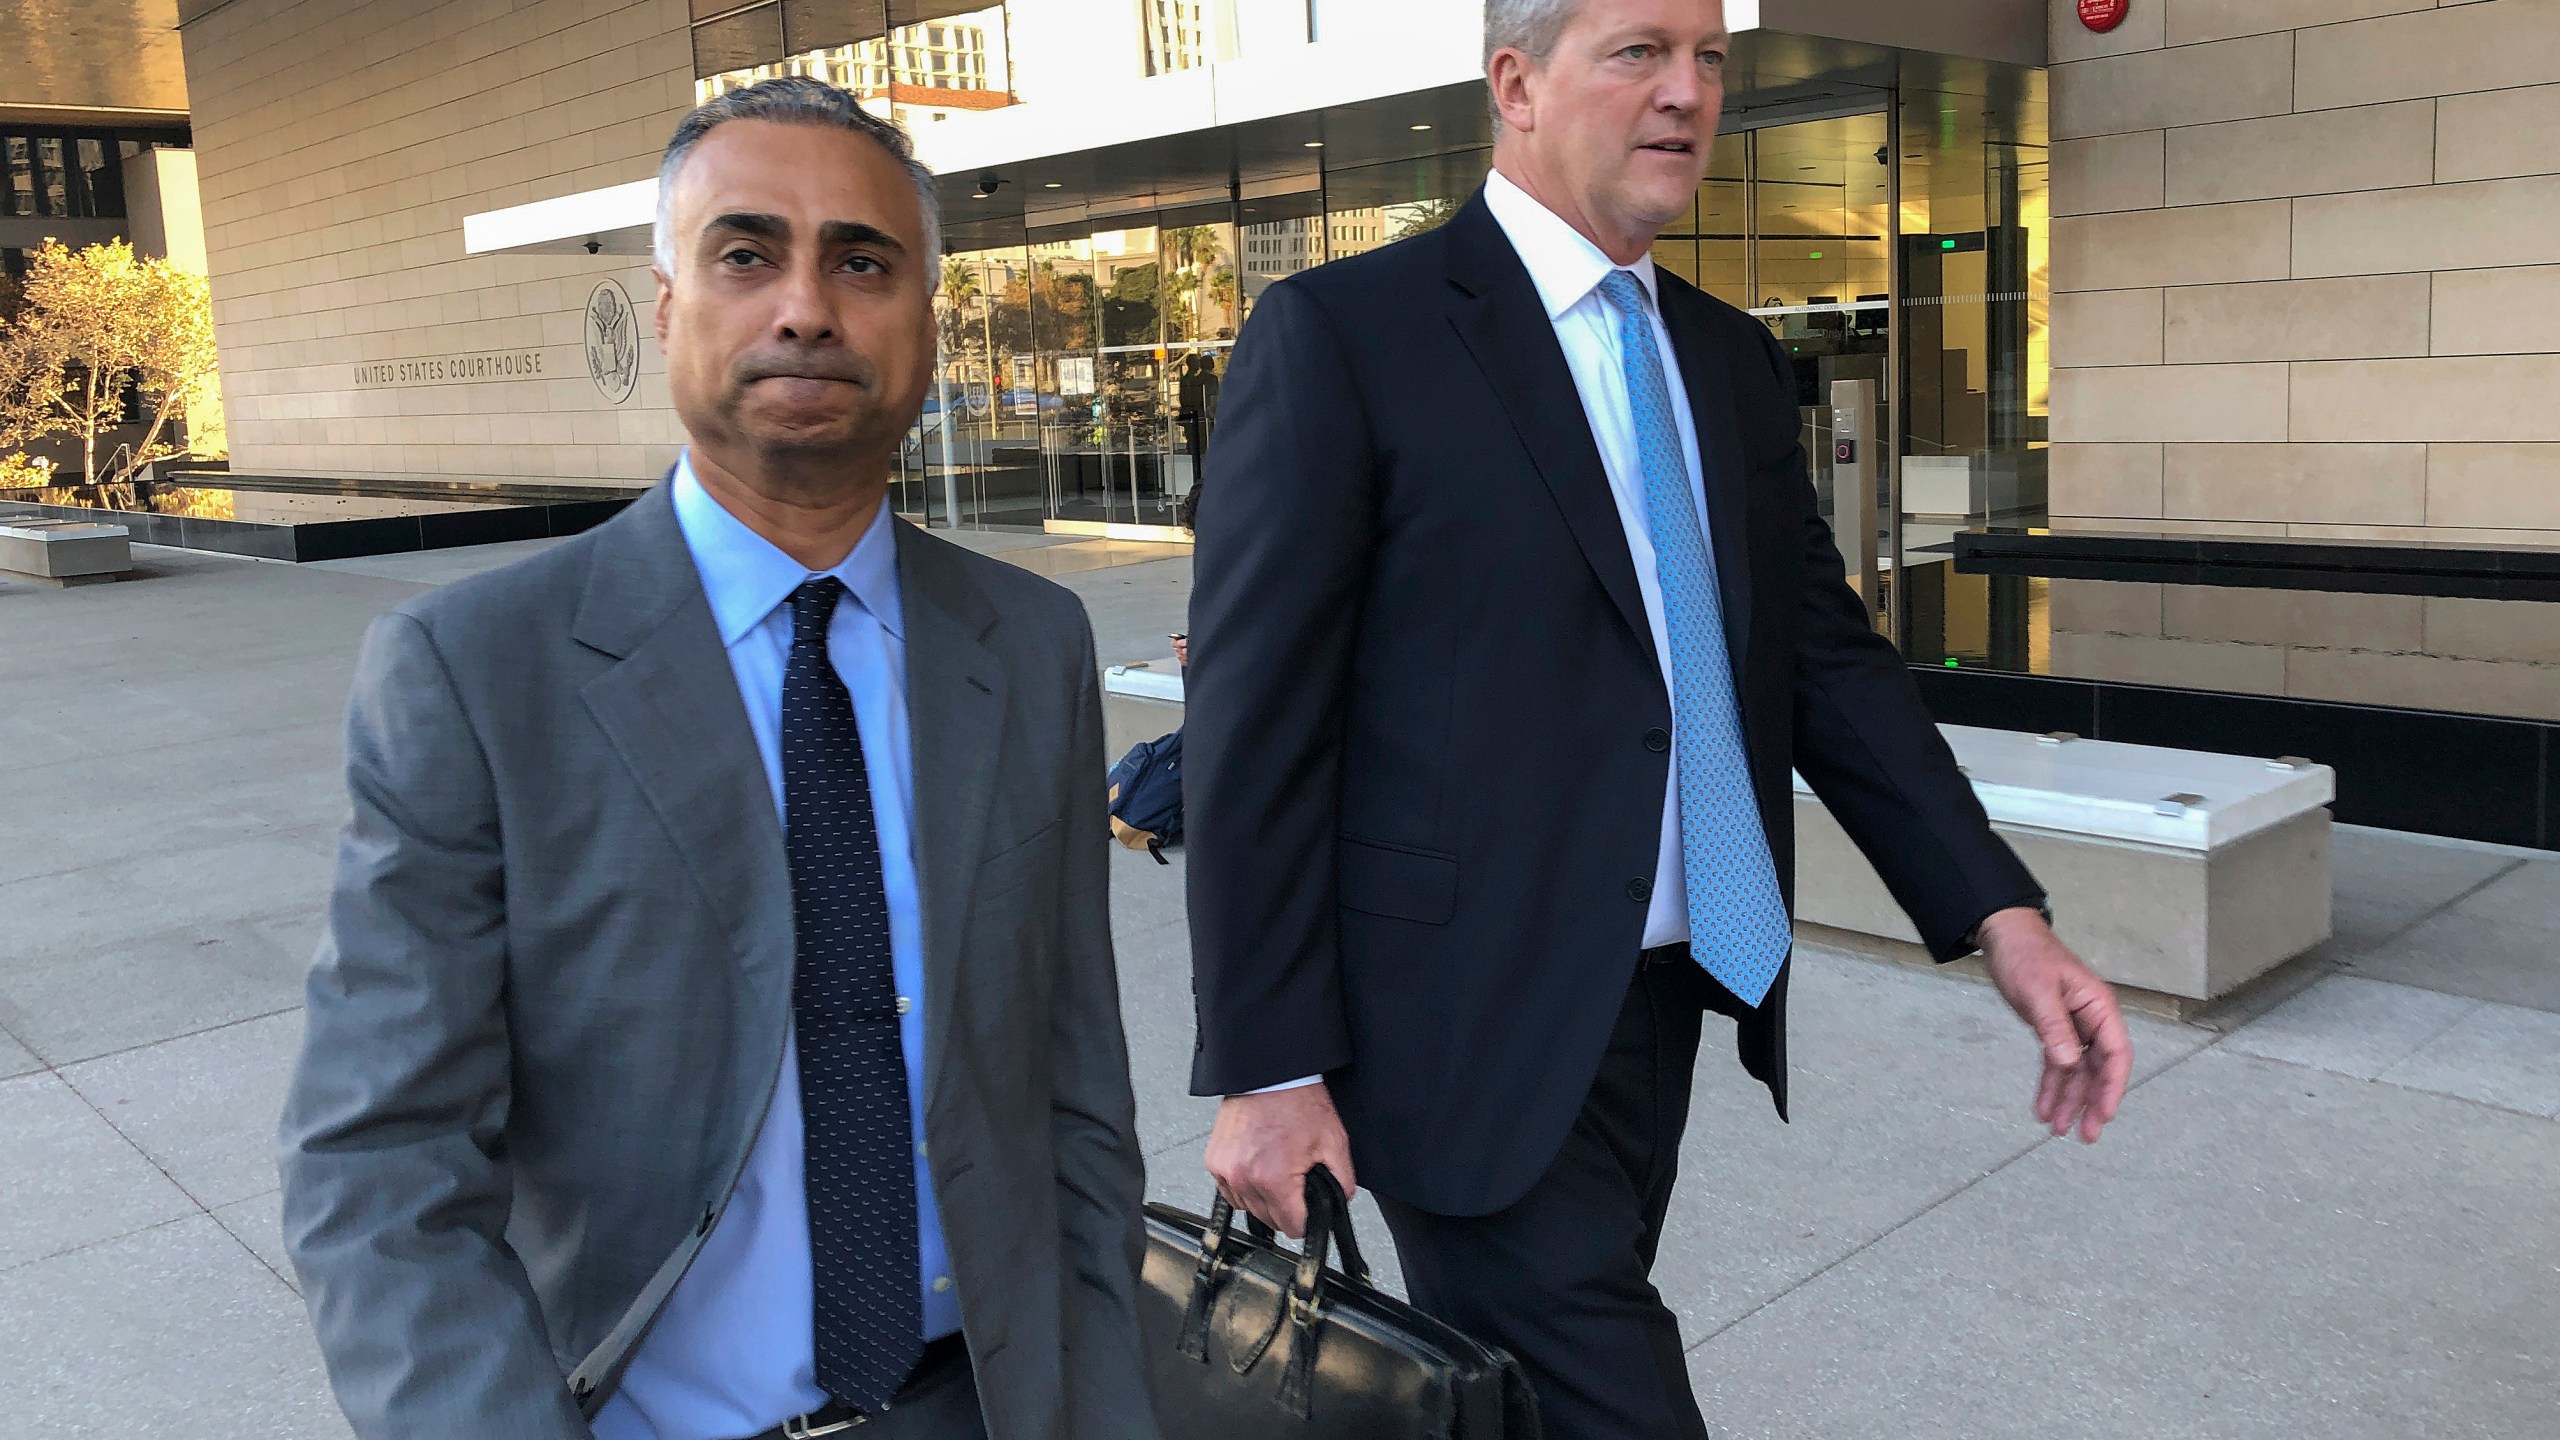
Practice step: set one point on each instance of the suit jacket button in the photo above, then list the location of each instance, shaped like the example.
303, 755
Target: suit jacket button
1657, 740
1640, 891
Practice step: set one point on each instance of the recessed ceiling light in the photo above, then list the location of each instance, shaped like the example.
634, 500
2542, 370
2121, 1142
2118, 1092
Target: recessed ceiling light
1315, 144
1421, 127
1054, 185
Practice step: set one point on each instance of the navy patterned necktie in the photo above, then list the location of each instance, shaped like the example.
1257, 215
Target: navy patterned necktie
859, 1142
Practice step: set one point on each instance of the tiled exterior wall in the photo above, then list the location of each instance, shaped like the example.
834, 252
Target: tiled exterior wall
2486, 657
2306, 267
340, 143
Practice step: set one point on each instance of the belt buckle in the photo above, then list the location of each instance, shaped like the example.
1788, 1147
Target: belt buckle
799, 1428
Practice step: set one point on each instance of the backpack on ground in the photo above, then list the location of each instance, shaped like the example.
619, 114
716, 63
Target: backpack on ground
1146, 796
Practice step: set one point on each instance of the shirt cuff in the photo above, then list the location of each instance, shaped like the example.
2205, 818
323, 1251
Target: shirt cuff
1287, 1085
2040, 904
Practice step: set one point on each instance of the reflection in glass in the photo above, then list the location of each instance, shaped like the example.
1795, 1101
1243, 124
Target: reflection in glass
910, 68
1185, 34
2446, 653
1081, 370
65, 175
1707, 247
1976, 238
735, 44
1976, 241
1792, 224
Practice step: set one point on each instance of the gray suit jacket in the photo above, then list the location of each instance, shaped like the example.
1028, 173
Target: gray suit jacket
550, 1007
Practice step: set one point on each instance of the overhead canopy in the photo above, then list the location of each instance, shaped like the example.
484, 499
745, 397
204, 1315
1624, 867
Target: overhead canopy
1380, 107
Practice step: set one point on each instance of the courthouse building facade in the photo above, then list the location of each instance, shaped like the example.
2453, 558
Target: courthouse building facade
2289, 263
2277, 271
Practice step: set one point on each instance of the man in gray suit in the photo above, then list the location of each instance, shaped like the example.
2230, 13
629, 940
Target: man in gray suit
716, 1033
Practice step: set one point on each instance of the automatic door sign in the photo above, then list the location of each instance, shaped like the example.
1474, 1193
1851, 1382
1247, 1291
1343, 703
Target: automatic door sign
613, 342
2103, 15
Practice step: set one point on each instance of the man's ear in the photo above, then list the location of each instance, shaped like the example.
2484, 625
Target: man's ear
1507, 75
658, 312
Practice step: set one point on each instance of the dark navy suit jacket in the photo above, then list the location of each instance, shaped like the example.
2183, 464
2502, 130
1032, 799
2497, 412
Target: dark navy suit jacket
1427, 733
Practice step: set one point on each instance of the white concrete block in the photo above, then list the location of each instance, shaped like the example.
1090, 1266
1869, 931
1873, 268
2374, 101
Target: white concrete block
2182, 873
65, 552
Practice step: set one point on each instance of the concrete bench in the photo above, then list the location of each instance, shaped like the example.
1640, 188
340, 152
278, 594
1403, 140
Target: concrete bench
1140, 701
2172, 871
1145, 680
63, 552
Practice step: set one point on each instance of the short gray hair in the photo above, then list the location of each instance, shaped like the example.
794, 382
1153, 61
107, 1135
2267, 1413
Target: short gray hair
1531, 27
793, 100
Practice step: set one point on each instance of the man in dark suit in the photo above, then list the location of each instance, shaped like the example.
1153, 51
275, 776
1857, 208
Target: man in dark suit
716, 1034
1514, 613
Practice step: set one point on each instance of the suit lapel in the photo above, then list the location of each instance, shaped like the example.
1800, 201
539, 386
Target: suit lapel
1703, 374
672, 713
955, 716
1505, 327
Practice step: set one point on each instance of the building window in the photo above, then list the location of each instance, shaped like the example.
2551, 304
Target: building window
738, 50
64, 174
1173, 32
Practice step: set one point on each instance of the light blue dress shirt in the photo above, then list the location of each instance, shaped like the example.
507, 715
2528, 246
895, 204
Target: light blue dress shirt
732, 1353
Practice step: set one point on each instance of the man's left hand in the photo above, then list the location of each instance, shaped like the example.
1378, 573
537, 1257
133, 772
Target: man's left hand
2087, 1055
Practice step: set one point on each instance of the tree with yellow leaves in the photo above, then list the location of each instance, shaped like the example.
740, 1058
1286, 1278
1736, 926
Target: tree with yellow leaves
92, 323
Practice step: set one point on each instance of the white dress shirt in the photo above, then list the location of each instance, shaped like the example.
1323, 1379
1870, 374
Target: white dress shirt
1567, 270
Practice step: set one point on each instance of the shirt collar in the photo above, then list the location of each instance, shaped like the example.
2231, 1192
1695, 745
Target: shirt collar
745, 576
1563, 263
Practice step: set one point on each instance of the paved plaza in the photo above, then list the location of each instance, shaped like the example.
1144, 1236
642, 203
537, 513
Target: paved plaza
2334, 1212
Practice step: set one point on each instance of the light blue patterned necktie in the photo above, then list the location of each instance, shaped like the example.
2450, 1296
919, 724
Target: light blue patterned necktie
1737, 918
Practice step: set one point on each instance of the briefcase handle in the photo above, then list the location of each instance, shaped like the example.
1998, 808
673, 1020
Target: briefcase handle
1328, 1219
1328, 1230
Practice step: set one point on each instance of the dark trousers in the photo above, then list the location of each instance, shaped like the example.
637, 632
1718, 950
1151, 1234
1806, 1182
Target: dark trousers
940, 1403
1563, 1279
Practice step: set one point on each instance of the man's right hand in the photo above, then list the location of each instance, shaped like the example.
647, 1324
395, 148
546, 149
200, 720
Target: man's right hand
1264, 1145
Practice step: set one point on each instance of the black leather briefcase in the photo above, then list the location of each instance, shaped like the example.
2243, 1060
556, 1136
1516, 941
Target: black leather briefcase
1247, 1341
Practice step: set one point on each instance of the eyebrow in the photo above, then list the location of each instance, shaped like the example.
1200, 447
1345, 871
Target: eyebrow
831, 233
854, 232
762, 226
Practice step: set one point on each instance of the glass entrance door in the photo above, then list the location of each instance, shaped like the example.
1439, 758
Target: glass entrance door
1795, 225
1898, 257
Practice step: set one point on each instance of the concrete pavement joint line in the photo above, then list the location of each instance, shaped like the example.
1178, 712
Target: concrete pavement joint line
2383, 1075
6, 1270
128, 857
43, 1066
2403, 932
243, 1242
2450, 1026
1172, 1145
148, 1159
1933, 1206
2501, 1108
166, 1039
2527, 853
192, 1198
18, 773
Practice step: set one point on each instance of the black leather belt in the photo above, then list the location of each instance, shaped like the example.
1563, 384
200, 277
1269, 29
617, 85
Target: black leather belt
943, 1359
